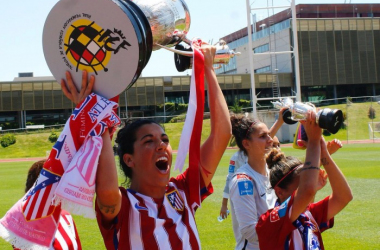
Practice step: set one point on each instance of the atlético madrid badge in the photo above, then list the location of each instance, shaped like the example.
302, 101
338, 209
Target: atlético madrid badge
102, 37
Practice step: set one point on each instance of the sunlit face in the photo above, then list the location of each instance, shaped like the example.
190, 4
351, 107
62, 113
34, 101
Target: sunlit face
260, 141
289, 190
276, 143
151, 160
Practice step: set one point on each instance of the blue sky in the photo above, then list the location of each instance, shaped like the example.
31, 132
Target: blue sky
21, 24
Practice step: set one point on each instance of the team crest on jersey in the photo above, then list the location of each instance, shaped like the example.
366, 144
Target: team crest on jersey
279, 211
231, 168
175, 200
245, 184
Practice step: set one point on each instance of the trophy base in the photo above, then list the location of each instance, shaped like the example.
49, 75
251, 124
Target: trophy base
330, 119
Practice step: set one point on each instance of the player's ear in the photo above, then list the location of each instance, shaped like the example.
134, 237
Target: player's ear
245, 143
128, 160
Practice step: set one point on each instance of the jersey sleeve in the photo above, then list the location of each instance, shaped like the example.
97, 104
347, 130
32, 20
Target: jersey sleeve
275, 224
319, 211
194, 193
242, 197
231, 170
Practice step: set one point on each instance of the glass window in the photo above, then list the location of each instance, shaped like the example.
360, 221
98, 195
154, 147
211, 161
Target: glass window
56, 86
360, 25
337, 24
16, 86
140, 83
37, 86
159, 82
17, 99
48, 98
47, 85
376, 24
27, 86
353, 24
261, 48
368, 24
312, 25
263, 69
238, 79
5, 87
176, 81
185, 81
329, 25
149, 82
345, 25
6, 98
320, 25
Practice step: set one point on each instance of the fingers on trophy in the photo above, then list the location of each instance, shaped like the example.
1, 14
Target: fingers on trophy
329, 119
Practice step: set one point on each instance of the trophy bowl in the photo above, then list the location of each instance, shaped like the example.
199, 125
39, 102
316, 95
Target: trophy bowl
169, 20
329, 119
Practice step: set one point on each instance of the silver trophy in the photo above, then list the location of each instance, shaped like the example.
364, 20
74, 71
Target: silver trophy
169, 22
329, 119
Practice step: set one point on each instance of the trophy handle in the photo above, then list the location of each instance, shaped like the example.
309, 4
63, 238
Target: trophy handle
222, 55
180, 52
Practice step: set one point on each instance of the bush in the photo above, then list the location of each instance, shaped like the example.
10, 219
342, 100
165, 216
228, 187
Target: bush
7, 140
371, 113
244, 103
53, 137
181, 106
180, 118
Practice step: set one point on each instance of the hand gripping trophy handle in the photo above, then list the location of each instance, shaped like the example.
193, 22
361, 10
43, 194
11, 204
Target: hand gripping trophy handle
183, 54
329, 119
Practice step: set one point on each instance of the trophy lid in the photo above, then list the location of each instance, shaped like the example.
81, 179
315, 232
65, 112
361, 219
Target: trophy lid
100, 36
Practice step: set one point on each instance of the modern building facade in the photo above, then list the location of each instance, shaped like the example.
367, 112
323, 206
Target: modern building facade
40, 100
339, 51
339, 54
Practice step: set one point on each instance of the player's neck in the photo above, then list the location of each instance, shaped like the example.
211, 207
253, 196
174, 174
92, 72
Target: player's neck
259, 165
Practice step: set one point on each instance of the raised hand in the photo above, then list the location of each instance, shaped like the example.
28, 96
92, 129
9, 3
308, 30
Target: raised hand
71, 91
333, 146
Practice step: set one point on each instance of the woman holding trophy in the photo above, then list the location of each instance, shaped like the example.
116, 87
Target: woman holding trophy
297, 222
156, 211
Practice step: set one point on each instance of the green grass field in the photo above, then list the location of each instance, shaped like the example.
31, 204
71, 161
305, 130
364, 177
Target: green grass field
356, 227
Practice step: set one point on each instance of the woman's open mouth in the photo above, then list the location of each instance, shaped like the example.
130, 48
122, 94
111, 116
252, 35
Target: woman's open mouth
162, 164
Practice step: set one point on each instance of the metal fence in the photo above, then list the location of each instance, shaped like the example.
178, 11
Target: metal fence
361, 118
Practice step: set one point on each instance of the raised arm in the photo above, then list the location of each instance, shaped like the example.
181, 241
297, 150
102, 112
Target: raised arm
108, 196
277, 124
341, 192
213, 148
308, 183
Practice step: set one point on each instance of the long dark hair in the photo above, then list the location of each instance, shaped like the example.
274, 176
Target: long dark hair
125, 140
33, 173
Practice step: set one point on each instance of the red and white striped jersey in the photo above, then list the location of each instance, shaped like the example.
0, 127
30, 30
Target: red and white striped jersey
66, 236
147, 223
